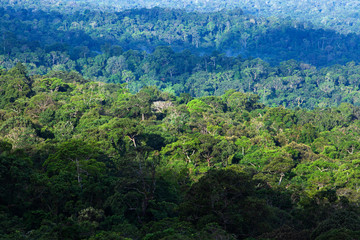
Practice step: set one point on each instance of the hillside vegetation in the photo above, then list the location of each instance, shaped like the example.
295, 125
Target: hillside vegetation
87, 160
172, 124
339, 15
110, 47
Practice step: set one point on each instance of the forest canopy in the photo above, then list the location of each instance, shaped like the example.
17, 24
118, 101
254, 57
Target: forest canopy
339, 15
166, 123
90, 160
201, 54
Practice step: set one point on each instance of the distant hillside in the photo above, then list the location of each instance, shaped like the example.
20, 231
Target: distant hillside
201, 54
230, 32
339, 15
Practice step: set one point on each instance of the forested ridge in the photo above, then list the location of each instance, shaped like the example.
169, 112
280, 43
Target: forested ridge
109, 47
171, 124
90, 160
339, 15
82, 33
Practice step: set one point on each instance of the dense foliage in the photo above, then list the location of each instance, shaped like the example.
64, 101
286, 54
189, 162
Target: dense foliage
47, 39
47, 42
339, 15
89, 160
169, 124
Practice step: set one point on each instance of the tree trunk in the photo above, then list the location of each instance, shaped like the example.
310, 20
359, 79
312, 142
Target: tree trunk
281, 177
78, 173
